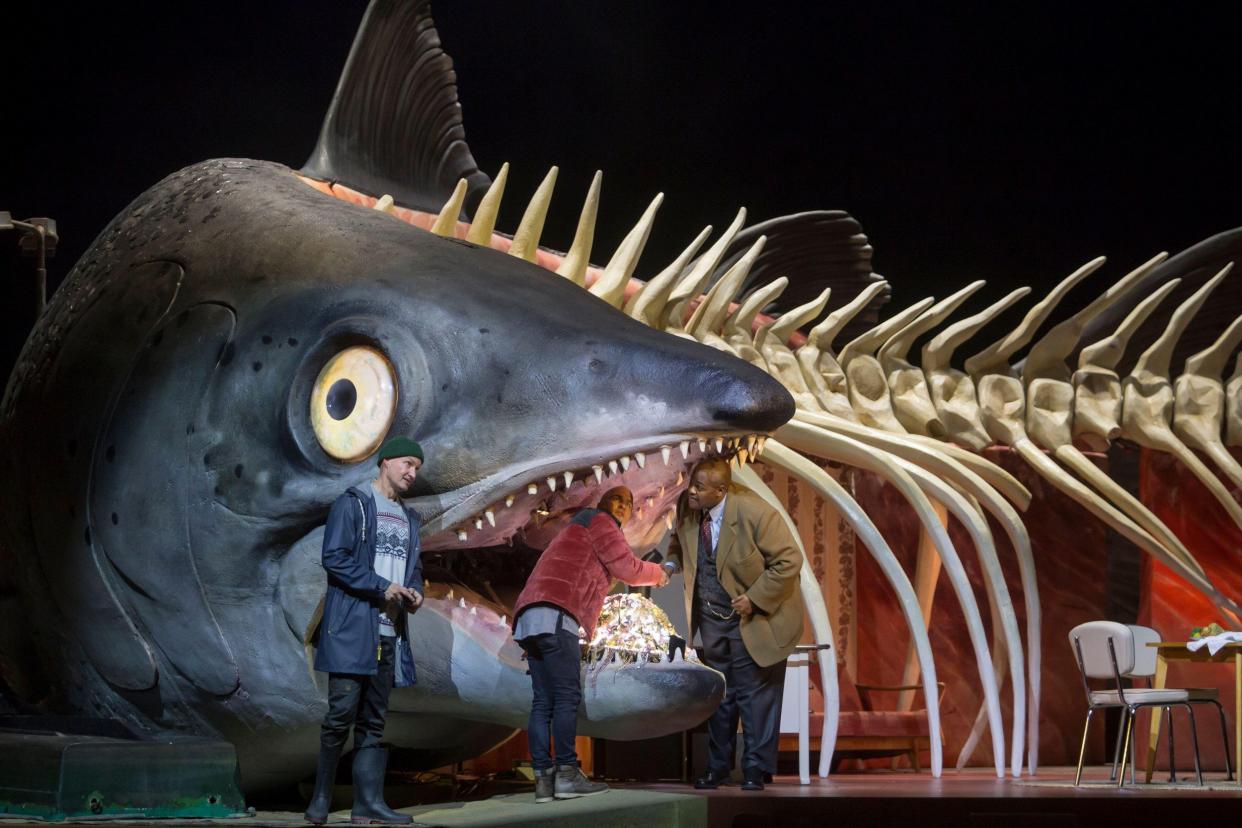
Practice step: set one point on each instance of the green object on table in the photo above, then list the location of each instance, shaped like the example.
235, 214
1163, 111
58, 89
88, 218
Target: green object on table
1206, 632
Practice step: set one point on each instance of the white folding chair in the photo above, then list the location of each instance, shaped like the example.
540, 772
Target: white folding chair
1106, 650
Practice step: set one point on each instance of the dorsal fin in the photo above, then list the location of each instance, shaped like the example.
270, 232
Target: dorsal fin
394, 125
814, 250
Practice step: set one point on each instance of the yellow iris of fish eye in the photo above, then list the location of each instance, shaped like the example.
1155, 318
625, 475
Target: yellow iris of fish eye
353, 403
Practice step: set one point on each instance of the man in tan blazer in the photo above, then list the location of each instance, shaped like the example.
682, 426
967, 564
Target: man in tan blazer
741, 568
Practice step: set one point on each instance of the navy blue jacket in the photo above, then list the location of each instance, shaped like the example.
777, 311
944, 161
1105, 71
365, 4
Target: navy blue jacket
349, 632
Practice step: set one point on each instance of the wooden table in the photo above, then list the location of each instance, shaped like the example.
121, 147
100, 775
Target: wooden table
1167, 651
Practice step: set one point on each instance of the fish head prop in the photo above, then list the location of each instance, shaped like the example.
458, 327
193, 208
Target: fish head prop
224, 362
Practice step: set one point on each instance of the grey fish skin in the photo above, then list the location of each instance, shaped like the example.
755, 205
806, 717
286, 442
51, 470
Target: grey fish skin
159, 464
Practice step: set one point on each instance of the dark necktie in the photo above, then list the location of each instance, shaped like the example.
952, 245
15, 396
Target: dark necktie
705, 536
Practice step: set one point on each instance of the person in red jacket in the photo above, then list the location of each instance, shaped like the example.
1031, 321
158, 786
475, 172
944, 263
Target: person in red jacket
565, 592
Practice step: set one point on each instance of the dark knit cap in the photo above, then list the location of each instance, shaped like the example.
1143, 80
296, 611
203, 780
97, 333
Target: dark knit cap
399, 447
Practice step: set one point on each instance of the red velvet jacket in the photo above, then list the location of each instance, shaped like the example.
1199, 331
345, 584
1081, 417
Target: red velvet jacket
576, 571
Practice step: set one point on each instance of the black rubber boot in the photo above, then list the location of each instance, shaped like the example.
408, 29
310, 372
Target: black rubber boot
325, 778
369, 806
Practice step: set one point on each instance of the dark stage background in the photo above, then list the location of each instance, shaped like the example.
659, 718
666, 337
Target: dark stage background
1010, 142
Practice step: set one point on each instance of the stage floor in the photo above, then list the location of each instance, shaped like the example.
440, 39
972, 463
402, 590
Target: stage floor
878, 798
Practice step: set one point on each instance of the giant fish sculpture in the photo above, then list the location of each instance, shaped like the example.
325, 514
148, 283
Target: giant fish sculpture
223, 362
231, 351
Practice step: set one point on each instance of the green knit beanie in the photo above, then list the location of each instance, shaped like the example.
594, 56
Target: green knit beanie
399, 447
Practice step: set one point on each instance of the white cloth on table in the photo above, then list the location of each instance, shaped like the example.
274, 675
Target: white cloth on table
1214, 643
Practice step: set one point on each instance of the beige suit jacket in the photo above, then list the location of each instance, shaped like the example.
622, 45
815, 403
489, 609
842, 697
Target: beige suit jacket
755, 555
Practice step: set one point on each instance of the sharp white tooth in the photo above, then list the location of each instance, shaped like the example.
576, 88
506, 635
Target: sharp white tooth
569, 478
661, 492
639, 514
650, 502
599, 473
668, 520
509, 500
552, 484
612, 466
702, 444
533, 488
449, 597
742, 455
665, 452
474, 610
640, 459
719, 445
491, 517
504, 620
750, 443
759, 444
680, 479
478, 523
625, 463
461, 602
462, 535
685, 449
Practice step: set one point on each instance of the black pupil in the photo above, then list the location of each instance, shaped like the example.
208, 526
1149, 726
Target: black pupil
342, 397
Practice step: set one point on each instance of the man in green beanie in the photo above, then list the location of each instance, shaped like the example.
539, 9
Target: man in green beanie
375, 577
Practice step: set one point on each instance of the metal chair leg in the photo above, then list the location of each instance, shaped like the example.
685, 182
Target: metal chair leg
1112, 776
1194, 739
1082, 750
1224, 736
1128, 724
1168, 711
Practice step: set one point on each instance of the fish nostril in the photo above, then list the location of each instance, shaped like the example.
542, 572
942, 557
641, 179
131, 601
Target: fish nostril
342, 397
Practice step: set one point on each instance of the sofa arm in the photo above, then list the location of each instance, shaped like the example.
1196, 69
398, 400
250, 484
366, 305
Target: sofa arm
865, 690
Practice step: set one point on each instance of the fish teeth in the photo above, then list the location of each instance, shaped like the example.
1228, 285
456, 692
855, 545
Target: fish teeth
719, 445
742, 455
759, 444
650, 502
474, 610
478, 523
612, 466
661, 492
510, 500
599, 473
685, 449
491, 517
569, 478
640, 459
681, 478
702, 444
750, 443
668, 520
504, 620
625, 463
461, 602
639, 514
665, 452
533, 488
462, 534
449, 597
552, 484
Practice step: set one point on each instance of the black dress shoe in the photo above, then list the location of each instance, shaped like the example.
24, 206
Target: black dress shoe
767, 778
711, 780
753, 780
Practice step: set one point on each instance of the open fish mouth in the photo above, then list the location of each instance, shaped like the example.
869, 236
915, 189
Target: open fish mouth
531, 503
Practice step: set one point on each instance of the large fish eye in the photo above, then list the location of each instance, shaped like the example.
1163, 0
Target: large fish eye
353, 403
